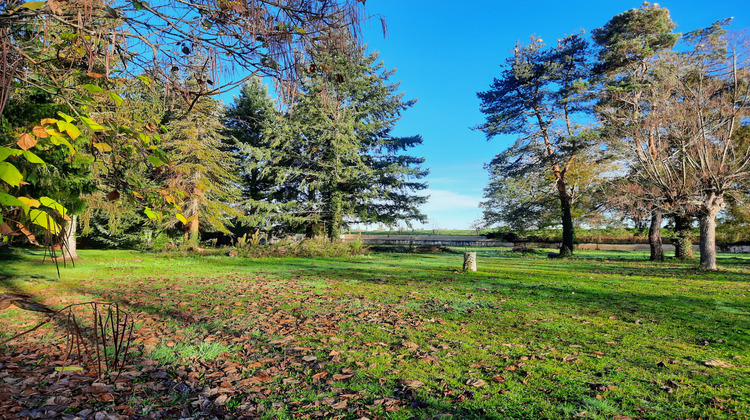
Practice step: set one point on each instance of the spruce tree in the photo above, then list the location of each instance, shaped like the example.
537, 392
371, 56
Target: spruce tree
331, 159
201, 168
350, 168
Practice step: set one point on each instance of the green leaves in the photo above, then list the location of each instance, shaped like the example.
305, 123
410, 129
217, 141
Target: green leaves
91, 124
139, 5
116, 98
7, 151
32, 158
146, 80
9, 200
10, 174
43, 219
48, 202
155, 161
69, 128
92, 88
150, 213
33, 5
103, 147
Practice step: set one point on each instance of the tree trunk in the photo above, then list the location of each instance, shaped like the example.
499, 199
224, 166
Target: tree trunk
683, 244
193, 226
654, 237
70, 248
568, 231
335, 214
710, 210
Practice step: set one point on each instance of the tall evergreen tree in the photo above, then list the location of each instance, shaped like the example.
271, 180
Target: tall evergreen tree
538, 97
629, 43
201, 168
252, 122
332, 160
345, 115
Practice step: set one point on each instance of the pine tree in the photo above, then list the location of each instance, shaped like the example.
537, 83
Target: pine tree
629, 43
201, 168
539, 96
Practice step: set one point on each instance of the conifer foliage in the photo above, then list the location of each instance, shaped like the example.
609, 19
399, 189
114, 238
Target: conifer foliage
201, 168
539, 97
332, 159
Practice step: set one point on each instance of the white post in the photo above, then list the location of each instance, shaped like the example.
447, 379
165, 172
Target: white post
470, 261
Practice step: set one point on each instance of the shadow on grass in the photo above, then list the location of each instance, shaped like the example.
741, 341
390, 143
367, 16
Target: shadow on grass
600, 296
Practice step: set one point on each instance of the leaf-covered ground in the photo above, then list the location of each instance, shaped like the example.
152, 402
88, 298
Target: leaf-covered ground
606, 335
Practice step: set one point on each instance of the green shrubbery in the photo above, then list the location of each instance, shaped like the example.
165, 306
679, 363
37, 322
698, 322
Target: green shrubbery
316, 247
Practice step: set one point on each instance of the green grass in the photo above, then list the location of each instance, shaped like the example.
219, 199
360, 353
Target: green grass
204, 351
607, 333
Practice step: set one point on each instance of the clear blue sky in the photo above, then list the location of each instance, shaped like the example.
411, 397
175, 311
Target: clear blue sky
445, 52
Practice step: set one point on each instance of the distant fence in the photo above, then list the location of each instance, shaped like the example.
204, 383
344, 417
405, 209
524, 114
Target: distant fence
483, 241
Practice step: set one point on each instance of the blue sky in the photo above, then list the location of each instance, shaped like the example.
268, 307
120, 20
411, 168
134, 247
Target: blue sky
445, 52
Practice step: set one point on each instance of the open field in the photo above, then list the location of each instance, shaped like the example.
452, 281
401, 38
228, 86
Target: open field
393, 335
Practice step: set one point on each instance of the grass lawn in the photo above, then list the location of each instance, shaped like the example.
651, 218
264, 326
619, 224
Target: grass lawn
606, 335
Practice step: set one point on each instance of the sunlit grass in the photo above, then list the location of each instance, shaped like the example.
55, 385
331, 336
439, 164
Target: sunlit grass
607, 333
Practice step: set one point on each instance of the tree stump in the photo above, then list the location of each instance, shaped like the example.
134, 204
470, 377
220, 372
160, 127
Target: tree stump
470, 261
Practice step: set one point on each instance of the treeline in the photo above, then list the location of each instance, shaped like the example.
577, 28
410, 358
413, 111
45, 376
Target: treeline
120, 157
635, 123
312, 165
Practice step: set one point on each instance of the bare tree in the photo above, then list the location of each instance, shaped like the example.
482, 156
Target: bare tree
708, 100
43, 44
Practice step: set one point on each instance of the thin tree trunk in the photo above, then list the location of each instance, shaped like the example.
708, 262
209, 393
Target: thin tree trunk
195, 222
708, 232
70, 248
682, 242
309, 230
568, 231
194, 227
654, 237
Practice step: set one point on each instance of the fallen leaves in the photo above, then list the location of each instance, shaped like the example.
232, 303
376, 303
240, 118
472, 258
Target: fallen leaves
410, 383
293, 348
476, 382
410, 346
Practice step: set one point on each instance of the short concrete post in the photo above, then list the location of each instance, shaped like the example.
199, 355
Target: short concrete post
470, 261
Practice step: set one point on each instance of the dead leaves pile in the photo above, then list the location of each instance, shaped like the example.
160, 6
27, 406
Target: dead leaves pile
265, 323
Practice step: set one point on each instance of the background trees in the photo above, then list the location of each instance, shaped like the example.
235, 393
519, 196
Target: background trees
333, 159
201, 168
82, 52
629, 43
674, 113
709, 84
